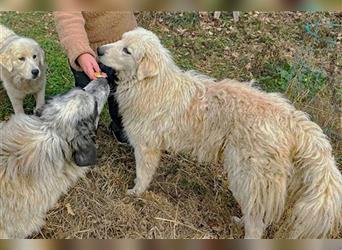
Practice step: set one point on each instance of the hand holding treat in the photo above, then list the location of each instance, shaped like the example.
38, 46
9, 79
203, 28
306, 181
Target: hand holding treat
88, 64
100, 75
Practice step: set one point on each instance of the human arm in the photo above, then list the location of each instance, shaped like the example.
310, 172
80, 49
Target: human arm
70, 27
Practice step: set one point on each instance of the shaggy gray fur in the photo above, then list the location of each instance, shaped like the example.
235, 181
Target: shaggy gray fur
38, 155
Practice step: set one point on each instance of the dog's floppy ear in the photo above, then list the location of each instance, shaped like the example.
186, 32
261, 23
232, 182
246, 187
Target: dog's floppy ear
83, 145
41, 56
86, 154
147, 68
39, 111
6, 62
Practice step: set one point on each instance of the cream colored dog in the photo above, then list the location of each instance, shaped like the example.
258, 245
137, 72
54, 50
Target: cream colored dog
41, 155
274, 155
22, 68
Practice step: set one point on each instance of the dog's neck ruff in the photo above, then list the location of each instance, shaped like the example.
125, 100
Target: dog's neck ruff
8, 41
128, 83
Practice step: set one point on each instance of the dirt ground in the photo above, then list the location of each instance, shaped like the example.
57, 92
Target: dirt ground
298, 54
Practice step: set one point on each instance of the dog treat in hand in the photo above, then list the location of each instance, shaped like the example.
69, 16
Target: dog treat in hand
100, 74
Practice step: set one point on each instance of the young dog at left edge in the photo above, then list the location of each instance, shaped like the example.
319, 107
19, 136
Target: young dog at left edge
22, 68
44, 154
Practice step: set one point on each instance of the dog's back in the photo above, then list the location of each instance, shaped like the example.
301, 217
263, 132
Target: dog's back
224, 111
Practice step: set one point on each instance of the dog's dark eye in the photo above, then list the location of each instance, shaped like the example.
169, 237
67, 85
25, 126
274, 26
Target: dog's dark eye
126, 51
34, 56
21, 59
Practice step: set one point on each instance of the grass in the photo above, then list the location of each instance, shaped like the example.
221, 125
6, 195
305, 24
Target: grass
293, 79
297, 54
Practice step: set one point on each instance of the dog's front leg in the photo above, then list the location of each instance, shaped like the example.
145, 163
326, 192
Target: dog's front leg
17, 104
147, 160
40, 98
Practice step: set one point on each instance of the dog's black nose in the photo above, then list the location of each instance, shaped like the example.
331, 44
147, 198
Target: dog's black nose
100, 51
35, 72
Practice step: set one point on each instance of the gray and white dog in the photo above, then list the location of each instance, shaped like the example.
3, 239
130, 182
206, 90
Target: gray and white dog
41, 155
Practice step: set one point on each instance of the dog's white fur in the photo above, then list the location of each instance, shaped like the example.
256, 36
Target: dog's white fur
274, 155
16, 73
36, 157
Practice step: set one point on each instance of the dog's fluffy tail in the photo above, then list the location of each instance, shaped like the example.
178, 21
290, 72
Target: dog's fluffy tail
316, 186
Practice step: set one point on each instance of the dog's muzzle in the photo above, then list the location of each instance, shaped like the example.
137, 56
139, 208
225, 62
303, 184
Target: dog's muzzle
35, 73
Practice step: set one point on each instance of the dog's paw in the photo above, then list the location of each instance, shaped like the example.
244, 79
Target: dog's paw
133, 192
37, 111
237, 220
130, 191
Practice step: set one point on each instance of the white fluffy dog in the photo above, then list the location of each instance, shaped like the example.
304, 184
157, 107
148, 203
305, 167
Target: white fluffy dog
274, 155
22, 68
41, 155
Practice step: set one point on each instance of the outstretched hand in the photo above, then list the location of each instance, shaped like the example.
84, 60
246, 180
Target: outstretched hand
89, 65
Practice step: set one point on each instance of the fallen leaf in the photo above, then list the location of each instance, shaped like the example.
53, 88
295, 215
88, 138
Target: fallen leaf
234, 54
69, 209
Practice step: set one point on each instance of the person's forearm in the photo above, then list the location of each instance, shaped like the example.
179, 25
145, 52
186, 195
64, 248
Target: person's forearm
72, 35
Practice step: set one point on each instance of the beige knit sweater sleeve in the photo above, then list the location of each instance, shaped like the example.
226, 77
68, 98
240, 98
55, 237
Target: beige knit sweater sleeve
71, 31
